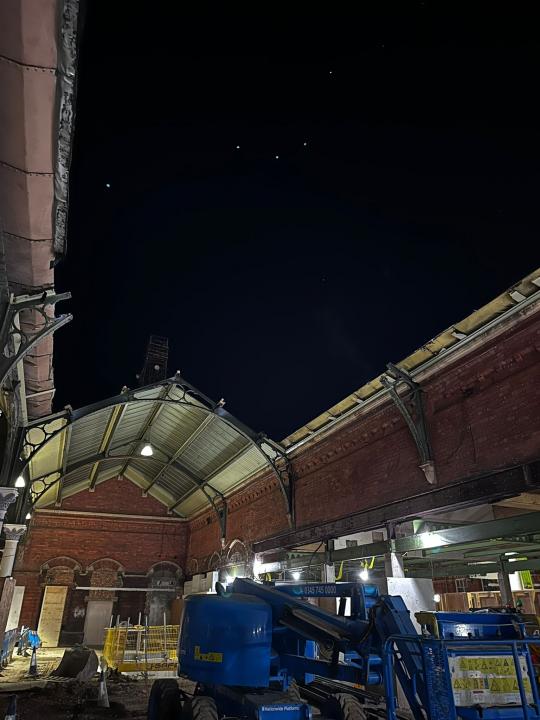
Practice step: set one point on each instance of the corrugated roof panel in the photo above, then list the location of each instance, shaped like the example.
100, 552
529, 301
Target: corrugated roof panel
133, 419
78, 475
87, 435
175, 425
247, 465
193, 504
175, 483
107, 469
146, 467
214, 447
153, 392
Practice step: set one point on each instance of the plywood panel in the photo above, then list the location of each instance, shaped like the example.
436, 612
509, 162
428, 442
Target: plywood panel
52, 610
98, 617
15, 609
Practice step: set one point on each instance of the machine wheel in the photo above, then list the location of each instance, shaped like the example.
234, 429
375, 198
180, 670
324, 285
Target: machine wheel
342, 706
293, 691
200, 707
164, 702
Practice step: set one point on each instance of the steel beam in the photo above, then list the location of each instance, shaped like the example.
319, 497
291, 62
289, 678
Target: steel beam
485, 489
108, 436
517, 526
452, 538
465, 570
65, 456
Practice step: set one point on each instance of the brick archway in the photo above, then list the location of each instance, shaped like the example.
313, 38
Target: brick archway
104, 573
60, 571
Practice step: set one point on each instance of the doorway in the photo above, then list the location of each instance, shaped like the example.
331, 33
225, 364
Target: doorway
98, 618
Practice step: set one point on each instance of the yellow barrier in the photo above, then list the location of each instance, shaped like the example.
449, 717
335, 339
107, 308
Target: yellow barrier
141, 649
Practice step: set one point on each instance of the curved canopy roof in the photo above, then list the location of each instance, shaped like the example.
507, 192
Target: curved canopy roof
200, 452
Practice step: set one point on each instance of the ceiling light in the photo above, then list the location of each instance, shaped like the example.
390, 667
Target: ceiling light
20, 482
147, 451
437, 598
228, 579
296, 575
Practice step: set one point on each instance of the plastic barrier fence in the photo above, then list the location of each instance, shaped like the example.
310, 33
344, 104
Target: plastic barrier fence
141, 649
10, 638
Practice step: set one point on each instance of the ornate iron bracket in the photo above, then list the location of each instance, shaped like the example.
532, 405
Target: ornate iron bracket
411, 406
221, 512
16, 342
282, 467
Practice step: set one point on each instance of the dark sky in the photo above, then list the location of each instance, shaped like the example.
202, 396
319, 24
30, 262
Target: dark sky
285, 283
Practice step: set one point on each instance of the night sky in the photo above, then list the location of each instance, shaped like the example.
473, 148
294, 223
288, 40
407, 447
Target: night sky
384, 187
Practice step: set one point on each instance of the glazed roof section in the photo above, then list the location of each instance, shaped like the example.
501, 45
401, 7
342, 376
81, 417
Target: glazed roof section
200, 452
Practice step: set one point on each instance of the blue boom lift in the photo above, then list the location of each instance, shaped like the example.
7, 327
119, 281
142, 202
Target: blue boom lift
255, 650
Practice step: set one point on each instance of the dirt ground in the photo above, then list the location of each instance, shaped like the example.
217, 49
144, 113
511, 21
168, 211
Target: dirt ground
42, 698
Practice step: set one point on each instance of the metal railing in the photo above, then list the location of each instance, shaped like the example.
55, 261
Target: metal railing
141, 648
431, 684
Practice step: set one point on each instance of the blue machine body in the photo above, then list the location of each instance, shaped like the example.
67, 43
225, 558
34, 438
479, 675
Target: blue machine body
488, 626
226, 640
245, 647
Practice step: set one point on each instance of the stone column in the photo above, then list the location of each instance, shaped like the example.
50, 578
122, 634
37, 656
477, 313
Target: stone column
13, 534
8, 495
393, 565
7, 584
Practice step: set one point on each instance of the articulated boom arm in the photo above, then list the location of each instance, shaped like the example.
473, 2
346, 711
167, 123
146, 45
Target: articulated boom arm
309, 621
363, 634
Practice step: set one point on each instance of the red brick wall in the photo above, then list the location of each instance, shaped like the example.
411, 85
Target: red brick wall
483, 414
136, 544
117, 495
254, 513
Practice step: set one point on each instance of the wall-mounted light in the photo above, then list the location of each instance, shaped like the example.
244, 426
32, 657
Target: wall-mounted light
363, 574
28, 516
20, 482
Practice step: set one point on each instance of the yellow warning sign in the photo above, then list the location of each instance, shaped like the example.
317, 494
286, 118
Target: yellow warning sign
487, 680
500, 665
